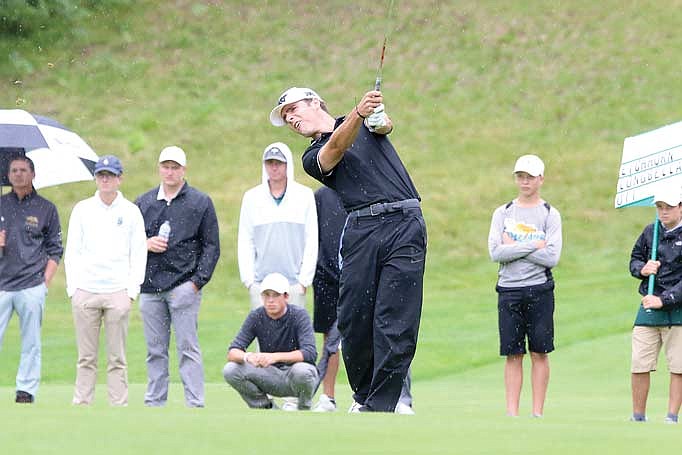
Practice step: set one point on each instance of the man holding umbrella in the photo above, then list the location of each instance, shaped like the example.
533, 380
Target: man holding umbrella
31, 241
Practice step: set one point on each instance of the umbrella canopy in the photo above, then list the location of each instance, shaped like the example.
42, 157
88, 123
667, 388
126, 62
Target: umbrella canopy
60, 156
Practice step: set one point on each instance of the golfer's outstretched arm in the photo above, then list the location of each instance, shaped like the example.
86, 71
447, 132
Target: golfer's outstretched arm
344, 136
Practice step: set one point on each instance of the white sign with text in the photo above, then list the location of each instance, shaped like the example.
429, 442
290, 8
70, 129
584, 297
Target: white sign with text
651, 160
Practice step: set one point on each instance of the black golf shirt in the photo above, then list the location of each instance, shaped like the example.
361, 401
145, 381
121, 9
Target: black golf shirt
370, 171
33, 235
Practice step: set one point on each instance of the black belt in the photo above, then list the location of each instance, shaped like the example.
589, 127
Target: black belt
386, 207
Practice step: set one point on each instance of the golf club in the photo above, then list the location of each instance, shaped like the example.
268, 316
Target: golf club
377, 81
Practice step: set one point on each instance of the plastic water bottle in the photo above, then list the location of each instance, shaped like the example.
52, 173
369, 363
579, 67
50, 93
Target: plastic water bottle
2, 226
165, 230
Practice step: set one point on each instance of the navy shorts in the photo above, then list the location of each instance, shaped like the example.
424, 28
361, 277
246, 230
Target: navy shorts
526, 312
326, 289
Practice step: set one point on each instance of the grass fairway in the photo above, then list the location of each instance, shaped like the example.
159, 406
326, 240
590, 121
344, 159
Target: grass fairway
587, 412
470, 85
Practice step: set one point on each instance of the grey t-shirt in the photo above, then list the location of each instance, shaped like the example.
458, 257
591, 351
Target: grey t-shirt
291, 332
521, 263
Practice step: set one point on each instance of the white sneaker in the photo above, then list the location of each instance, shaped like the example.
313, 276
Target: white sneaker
402, 408
289, 406
355, 407
325, 404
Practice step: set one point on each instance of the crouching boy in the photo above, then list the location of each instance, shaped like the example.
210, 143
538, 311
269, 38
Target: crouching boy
285, 366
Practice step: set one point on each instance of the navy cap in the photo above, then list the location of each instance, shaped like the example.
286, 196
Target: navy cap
109, 163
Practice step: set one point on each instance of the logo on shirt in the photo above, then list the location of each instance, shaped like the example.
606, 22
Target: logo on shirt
522, 232
119, 221
32, 221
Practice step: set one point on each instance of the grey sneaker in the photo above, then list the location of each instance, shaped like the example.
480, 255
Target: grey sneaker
289, 406
325, 404
289, 402
355, 407
405, 409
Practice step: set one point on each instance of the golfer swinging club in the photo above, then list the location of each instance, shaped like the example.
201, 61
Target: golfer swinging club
383, 248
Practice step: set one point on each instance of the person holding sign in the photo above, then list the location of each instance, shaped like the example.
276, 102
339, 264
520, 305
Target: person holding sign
525, 238
659, 320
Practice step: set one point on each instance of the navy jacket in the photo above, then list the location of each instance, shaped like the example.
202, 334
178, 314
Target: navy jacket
193, 245
331, 218
668, 282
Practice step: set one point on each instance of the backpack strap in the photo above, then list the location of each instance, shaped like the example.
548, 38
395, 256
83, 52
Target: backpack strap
548, 271
546, 204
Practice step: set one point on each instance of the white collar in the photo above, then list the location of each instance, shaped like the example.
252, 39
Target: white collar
118, 197
161, 195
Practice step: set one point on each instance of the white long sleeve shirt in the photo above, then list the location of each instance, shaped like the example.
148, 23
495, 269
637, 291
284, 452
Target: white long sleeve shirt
106, 248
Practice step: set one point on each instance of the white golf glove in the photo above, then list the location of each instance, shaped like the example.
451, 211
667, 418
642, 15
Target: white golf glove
378, 119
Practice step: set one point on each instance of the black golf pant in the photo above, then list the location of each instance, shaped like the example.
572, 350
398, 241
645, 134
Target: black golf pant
380, 301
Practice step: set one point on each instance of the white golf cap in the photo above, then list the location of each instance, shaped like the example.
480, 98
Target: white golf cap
275, 282
671, 195
292, 95
530, 164
275, 151
173, 153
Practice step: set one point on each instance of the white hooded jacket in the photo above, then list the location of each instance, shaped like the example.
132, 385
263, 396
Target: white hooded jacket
278, 238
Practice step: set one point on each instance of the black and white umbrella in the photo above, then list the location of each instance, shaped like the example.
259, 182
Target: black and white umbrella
60, 156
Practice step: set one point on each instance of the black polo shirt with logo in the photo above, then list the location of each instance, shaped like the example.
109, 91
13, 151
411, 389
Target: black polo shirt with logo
32, 236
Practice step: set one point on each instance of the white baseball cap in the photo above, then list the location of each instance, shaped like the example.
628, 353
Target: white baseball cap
290, 96
531, 164
275, 282
173, 153
671, 195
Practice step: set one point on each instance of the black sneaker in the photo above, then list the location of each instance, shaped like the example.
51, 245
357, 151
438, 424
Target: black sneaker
24, 397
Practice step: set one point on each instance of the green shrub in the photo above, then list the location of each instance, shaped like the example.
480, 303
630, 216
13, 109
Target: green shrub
24, 18
30, 30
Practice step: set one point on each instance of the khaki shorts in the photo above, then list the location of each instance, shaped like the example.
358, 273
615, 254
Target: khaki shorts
646, 345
